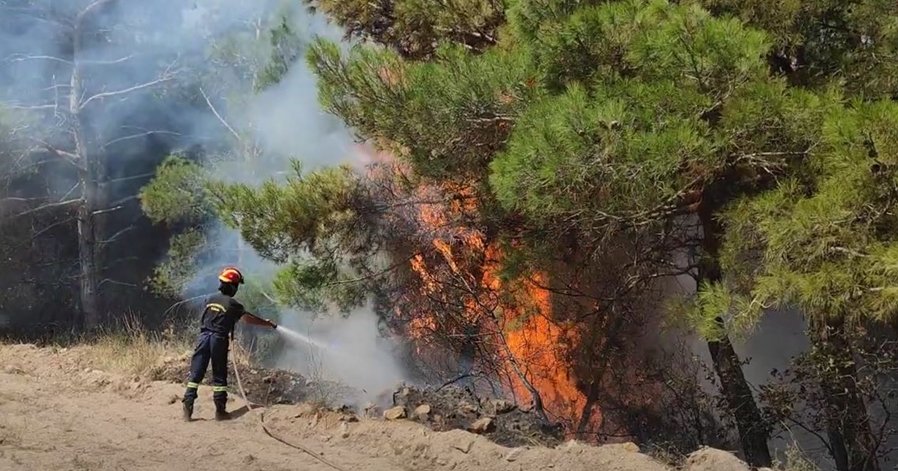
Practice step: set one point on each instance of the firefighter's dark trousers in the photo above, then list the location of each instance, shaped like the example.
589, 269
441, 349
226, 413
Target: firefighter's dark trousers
214, 347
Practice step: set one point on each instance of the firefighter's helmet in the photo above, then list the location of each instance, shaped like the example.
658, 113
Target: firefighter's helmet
231, 275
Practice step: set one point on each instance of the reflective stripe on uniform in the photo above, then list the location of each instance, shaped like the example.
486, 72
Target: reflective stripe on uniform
193, 385
216, 307
219, 389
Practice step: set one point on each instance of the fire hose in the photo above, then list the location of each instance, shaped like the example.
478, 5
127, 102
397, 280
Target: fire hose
302, 448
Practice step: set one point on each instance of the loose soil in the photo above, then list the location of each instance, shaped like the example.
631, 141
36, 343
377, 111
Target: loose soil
58, 412
450, 408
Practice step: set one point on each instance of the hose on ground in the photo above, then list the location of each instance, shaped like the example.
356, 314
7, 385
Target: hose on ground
268, 432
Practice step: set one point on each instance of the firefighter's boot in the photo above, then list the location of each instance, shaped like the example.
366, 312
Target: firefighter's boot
187, 408
221, 412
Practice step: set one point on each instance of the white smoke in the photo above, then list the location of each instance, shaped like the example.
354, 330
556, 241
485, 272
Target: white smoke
346, 350
150, 38
289, 124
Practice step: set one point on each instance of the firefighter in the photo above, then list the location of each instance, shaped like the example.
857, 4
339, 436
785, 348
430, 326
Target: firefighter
220, 316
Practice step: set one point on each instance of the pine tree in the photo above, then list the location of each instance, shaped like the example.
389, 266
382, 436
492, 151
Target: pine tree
414, 28
236, 66
177, 196
601, 128
818, 43
591, 120
662, 114
826, 245
35, 241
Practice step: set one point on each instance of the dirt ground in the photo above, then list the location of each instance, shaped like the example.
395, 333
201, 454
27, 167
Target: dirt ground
57, 412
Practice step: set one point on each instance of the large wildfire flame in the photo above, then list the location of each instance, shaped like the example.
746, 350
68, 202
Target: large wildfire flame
538, 343
527, 341
537, 347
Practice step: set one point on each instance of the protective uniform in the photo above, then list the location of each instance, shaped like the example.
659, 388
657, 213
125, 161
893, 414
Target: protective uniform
220, 316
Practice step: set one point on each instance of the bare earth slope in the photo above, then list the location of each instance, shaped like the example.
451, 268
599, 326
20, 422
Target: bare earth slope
56, 412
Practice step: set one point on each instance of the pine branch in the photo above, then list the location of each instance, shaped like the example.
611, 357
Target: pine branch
25, 57
220, 118
125, 91
115, 282
139, 135
107, 62
69, 157
115, 206
48, 206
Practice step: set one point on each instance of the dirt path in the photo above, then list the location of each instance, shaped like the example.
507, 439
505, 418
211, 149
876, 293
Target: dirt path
56, 412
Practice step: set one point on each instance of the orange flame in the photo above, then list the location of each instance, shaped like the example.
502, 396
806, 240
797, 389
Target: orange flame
538, 347
519, 313
538, 343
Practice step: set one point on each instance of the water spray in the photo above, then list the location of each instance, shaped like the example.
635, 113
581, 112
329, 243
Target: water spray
290, 334
296, 336
346, 354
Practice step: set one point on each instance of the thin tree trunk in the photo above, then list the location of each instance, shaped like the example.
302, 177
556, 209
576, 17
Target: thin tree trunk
535, 396
87, 255
847, 419
753, 434
604, 356
592, 397
91, 192
490, 311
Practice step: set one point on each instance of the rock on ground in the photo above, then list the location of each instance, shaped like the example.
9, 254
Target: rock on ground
395, 413
482, 425
422, 411
710, 459
453, 408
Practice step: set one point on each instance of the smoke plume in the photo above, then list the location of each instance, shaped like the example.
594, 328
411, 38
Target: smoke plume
179, 45
346, 350
287, 123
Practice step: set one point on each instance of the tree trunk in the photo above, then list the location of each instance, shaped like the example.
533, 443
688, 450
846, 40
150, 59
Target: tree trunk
88, 247
592, 397
847, 420
603, 355
536, 398
753, 434
87, 254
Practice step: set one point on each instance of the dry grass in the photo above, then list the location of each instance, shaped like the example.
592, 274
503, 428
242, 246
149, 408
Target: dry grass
796, 461
324, 393
240, 355
668, 455
131, 349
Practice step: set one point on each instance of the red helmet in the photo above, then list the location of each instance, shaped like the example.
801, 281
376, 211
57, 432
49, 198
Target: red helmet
231, 275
